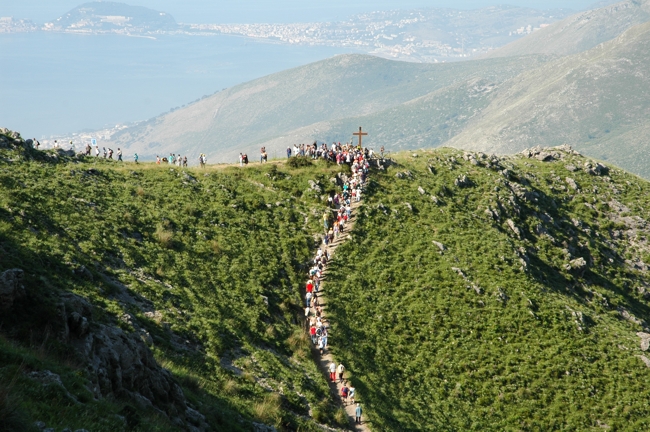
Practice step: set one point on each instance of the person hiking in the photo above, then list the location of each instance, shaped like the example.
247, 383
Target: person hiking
288, 152
321, 344
351, 393
357, 414
333, 372
340, 370
135, 157
88, 149
105, 152
110, 153
344, 394
96, 151
185, 161
312, 333
157, 160
308, 299
119, 155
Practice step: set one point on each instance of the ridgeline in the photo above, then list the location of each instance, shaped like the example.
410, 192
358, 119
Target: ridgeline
478, 293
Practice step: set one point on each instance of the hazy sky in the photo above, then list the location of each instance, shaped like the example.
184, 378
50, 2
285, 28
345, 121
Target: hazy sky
226, 11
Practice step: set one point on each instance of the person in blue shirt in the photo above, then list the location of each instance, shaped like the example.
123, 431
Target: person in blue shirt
357, 414
135, 158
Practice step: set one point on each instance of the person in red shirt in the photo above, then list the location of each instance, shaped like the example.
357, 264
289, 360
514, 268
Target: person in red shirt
312, 332
310, 286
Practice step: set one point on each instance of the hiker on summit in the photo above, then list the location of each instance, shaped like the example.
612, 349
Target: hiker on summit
96, 151
119, 155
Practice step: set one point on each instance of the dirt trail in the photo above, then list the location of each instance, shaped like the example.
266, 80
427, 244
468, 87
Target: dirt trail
327, 358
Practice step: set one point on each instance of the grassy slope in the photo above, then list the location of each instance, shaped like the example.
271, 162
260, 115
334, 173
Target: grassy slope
582, 100
204, 253
239, 118
427, 352
581, 31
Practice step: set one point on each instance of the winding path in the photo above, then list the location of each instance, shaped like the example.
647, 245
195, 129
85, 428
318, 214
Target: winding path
324, 360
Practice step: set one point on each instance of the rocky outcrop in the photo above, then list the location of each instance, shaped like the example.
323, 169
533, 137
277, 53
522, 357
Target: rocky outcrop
11, 288
120, 364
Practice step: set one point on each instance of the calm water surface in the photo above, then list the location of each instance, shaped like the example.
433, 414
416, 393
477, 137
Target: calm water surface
62, 83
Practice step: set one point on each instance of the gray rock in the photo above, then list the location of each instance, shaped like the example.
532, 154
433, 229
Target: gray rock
491, 214
189, 178
513, 227
260, 427
578, 265
194, 417
463, 182
501, 295
440, 246
435, 199
11, 288
645, 340
421, 190
545, 157
572, 183
571, 168
408, 206
645, 360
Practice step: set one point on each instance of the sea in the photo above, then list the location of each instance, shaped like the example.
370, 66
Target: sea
56, 83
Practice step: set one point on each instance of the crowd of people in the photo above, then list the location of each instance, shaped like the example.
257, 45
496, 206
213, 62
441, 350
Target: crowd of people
337, 152
335, 220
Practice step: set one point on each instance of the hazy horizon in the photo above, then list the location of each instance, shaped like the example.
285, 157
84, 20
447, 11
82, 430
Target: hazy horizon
252, 11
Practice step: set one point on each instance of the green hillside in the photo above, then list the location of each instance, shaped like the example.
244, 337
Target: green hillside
103, 265
240, 118
523, 315
477, 293
580, 32
595, 100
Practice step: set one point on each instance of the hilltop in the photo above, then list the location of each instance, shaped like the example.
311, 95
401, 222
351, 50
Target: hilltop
594, 100
275, 109
580, 32
478, 292
112, 17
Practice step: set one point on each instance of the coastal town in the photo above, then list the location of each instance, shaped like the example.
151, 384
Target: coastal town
420, 35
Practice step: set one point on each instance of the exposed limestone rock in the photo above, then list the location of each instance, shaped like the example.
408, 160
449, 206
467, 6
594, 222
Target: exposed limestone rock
572, 183
513, 227
645, 340
11, 288
463, 182
578, 265
440, 246
421, 190
645, 360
